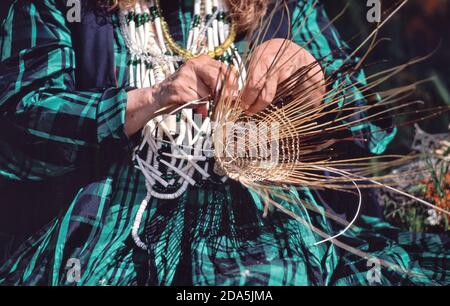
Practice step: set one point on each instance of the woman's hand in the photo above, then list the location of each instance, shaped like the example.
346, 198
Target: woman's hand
198, 78
286, 58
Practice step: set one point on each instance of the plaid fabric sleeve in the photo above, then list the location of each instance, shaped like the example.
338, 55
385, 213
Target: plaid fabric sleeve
48, 127
312, 29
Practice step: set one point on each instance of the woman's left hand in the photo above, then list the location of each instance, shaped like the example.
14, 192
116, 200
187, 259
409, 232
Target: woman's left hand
286, 58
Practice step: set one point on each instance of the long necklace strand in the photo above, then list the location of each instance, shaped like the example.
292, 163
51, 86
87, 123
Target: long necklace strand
151, 47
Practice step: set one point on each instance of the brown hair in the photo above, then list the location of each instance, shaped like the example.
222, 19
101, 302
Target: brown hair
245, 13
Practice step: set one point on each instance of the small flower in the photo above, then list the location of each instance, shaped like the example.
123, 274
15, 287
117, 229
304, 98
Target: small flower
433, 218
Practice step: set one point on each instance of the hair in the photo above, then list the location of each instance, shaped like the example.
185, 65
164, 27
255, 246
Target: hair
245, 13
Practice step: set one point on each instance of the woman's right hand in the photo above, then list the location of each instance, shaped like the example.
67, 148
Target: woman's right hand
198, 78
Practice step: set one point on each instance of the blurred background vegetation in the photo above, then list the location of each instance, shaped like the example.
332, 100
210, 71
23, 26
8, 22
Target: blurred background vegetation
420, 28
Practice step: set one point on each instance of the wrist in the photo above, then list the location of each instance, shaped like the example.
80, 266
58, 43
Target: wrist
152, 100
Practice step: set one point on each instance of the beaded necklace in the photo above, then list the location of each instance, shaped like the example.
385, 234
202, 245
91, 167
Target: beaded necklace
175, 151
212, 27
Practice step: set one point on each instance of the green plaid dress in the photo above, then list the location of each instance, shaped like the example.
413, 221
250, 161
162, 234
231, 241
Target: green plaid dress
215, 233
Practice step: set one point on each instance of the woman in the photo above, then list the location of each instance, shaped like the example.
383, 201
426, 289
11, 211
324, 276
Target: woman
74, 99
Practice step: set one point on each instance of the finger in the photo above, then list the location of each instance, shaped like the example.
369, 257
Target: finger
251, 92
202, 92
200, 88
211, 72
254, 85
226, 84
265, 98
188, 95
230, 86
